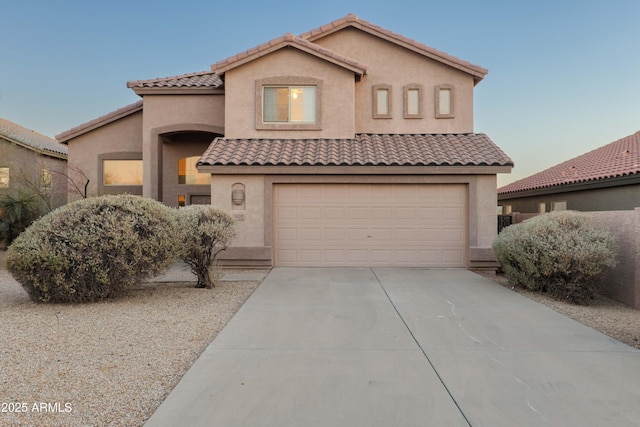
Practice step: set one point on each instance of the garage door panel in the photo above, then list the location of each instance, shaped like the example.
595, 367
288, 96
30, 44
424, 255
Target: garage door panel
370, 225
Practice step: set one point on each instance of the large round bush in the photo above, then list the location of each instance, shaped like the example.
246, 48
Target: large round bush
94, 248
560, 253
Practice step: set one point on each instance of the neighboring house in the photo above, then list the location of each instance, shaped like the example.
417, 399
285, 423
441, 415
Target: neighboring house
605, 179
348, 145
34, 163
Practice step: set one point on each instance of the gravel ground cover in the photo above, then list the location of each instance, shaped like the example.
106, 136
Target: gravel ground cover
104, 364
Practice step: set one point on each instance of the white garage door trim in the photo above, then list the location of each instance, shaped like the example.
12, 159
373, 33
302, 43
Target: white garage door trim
416, 225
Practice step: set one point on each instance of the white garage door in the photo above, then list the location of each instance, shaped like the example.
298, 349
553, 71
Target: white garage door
370, 225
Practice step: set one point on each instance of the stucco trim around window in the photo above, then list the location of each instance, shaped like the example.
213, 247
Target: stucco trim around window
412, 101
287, 81
445, 101
381, 96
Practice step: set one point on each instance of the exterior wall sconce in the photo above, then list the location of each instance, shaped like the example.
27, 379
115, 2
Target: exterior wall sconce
237, 197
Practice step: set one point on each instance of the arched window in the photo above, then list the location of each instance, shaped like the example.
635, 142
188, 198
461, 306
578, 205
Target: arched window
188, 173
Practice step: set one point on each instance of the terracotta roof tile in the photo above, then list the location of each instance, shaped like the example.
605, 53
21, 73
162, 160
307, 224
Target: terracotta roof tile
201, 79
619, 158
282, 41
353, 20
30, 138
363, 150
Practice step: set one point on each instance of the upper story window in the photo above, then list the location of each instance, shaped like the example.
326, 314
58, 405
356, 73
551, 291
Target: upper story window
382, 101
4, 177
444, 102
188, 173
413, 101
122, 172
289, 103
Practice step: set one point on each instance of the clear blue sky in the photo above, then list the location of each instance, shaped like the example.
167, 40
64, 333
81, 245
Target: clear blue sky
564, 75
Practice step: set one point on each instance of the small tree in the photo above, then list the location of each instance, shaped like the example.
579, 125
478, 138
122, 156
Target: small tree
16, 213
205, 232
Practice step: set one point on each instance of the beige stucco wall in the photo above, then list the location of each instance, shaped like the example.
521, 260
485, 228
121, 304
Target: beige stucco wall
254, 241
174, 113
337, 95
121, 136
250, 219
388, 63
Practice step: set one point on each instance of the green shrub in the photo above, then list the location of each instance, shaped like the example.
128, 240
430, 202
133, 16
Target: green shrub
560, 253
94, 248
205, 232
16, 214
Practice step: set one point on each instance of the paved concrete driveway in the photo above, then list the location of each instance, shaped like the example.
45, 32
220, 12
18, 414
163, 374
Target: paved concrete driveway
403, 347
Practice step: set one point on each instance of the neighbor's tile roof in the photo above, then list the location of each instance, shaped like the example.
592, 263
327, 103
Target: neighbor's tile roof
100, 121
283, 41
352, 20
363, 150
620, 158
201, 79
29, 138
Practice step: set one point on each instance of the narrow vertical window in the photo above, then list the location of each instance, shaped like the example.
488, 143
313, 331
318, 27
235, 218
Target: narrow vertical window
444, 102
412, 101
45, 179
4, 177
382, 101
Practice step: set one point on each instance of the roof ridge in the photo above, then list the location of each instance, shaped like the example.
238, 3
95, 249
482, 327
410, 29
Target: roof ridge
600, 163
29, 137
285, 39
98, 121
352, 19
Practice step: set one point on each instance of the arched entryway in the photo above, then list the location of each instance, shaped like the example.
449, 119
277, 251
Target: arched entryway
180, 182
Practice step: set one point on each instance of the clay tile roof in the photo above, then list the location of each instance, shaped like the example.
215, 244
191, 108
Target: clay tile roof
100, 121
30, 139
352, 20
288, 39
201, 79
363, 150
620, 158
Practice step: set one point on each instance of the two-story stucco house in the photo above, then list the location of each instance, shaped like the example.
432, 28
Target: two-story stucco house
348, 145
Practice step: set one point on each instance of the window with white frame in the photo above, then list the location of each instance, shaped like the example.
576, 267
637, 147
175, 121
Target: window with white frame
289, 103
444, 102
382, 101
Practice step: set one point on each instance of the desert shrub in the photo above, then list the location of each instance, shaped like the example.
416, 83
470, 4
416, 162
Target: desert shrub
205, 231
560, 253
94, 248
17, 212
